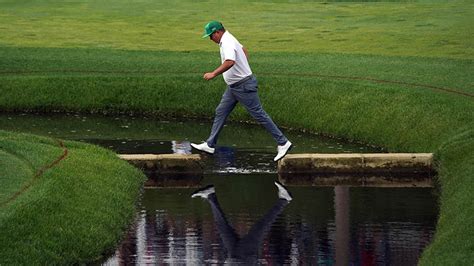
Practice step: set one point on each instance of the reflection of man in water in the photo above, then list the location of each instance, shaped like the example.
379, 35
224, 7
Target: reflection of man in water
243, 249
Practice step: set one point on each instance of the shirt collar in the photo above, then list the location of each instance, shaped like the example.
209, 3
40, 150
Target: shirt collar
223, 36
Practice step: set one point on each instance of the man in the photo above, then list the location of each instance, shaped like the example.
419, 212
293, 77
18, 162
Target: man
241, 87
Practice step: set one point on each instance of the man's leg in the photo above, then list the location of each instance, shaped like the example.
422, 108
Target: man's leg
228, 235
247, 95
223, 110
251, 243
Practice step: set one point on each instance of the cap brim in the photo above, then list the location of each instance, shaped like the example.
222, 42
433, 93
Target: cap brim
206, 35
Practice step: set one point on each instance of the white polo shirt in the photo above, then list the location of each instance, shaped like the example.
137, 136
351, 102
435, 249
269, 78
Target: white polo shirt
231, 49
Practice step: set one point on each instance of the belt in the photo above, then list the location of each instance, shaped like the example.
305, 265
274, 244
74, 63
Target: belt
240, 82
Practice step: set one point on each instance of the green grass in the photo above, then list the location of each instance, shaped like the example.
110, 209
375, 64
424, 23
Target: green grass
397, 75
432, 29
53, 62
453, 243
151, 82
74, 212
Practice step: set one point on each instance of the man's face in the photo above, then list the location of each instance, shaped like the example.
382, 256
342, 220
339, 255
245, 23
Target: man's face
215, 37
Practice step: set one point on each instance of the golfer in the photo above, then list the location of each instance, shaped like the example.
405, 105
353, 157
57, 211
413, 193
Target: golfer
241, 87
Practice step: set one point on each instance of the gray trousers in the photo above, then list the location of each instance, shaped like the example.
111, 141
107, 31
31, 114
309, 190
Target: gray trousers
244, 92
244, 250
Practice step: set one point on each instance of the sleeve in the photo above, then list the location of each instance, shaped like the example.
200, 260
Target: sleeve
228, 51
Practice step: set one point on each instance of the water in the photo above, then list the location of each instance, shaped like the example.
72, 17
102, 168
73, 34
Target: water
242, 148
321, 225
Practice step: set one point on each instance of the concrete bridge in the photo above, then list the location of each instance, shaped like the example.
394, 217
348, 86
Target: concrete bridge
358, 169
356, 163
166, 163
168, 170
315, 163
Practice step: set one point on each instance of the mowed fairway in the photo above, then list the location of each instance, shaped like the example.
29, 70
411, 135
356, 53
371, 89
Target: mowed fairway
411, 29
394, 74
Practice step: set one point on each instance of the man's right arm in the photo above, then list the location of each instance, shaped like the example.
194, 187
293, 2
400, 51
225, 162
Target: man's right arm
221, 69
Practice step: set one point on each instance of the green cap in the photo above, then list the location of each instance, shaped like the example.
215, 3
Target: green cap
212, 27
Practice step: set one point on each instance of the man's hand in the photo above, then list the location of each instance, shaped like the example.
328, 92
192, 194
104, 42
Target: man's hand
209, 75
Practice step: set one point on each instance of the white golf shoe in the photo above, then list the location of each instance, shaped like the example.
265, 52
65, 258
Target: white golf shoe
203, 147
204, 192
282, 150
283, 193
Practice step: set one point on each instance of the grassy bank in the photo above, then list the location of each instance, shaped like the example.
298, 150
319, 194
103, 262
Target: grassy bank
453, 243
398, 75
61, 203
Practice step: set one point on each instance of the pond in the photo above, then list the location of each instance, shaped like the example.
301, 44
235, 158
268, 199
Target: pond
242, 148
250, 225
